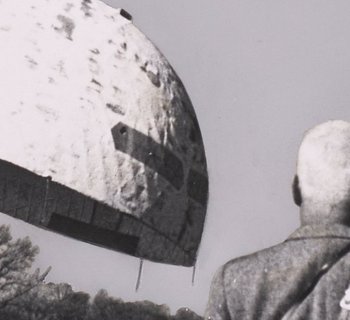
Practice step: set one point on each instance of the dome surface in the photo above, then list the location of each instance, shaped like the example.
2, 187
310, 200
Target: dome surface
101, 140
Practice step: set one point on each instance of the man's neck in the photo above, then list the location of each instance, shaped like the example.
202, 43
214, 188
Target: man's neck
317, 213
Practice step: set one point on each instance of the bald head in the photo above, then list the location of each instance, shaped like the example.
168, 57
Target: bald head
324, 168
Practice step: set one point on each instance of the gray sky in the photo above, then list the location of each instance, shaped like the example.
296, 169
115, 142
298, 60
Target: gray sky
259, 73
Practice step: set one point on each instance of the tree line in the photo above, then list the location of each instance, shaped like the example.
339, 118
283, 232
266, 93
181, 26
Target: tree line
24, 295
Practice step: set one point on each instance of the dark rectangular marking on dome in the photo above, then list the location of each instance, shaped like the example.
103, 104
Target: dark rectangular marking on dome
22, 193
92, 234
106, 217
144, 149
197, 186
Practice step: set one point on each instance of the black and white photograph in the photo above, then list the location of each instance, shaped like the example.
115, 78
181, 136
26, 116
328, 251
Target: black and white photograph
174, 160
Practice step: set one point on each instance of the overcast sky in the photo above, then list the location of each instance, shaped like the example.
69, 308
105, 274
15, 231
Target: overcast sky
259, 74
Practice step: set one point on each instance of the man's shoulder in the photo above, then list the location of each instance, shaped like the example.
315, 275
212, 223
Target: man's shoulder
253, 262
264, 254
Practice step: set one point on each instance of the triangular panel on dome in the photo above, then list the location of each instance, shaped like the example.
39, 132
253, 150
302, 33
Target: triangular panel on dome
102, 142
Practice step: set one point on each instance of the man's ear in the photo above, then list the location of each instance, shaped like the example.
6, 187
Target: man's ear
298, 199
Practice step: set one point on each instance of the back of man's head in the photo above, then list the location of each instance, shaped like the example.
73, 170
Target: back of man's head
324, 167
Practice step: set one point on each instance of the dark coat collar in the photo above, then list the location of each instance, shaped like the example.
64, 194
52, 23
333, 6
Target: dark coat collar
314, 231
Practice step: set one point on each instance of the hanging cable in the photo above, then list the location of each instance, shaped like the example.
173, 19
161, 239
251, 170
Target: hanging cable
44, 214
138, 283
194, 273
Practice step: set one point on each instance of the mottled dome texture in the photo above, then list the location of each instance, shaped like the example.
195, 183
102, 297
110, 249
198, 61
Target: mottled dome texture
102, 142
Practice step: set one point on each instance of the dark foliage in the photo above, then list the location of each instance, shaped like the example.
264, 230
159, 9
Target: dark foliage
25, 295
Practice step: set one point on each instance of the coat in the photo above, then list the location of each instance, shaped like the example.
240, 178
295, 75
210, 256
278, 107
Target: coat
304, 277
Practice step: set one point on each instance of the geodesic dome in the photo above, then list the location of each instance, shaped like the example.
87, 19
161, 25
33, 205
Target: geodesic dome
100, 139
